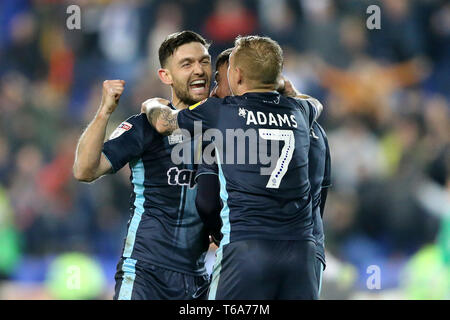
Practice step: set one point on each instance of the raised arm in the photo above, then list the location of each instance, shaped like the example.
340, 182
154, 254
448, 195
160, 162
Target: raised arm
160, 116
90, 163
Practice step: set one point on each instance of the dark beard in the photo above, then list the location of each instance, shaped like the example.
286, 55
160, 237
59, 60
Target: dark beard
184, 96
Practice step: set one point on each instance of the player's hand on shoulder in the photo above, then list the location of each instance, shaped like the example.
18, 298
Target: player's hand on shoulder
316, 104
160, 116
286, 88
112, 90
153, 102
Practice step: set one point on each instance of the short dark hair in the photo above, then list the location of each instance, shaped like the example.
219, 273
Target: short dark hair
223, 57
175, 40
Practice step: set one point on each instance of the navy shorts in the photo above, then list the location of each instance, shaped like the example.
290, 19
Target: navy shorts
265, 269
138, 280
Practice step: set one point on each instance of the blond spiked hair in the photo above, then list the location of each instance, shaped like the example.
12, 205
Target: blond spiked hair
259, 58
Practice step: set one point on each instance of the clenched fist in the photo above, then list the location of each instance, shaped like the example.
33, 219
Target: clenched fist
112, 90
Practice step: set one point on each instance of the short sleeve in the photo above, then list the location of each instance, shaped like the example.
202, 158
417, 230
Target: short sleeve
128, 141
205, 111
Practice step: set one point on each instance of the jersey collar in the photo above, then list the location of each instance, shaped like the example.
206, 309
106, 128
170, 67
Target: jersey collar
250, 95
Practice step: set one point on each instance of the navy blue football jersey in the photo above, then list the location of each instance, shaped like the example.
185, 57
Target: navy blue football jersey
164, 227
261, 143
319, 177
206, 168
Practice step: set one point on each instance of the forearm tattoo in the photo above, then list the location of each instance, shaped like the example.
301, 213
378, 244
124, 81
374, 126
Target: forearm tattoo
163, 119
169, 120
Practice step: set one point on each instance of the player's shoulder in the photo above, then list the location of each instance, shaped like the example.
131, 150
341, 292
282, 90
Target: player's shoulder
140, 121
319, 129
206, 102
135, 123
317, 139
299, 101
304, 99
294, 103
322, 130
136, 119
307, 100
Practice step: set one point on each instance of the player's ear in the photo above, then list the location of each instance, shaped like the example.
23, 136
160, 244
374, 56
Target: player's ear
165, 76
239, 76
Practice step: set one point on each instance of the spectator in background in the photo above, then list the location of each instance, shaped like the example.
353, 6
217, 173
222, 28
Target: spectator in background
119, 39
350, 171
229, 19
318, 32
357, 90
9, 237
168, 20
279, 20
401, 39
22, 52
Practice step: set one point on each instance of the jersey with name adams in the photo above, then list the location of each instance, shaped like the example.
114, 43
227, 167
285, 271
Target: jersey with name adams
261, 142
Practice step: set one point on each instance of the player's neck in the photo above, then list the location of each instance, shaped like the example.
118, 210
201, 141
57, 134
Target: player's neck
259, 90
177, 103
263, 88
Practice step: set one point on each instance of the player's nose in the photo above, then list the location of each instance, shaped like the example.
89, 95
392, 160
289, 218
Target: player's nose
199, 69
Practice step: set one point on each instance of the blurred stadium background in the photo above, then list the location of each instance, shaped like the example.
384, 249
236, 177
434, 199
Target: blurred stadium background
386, 94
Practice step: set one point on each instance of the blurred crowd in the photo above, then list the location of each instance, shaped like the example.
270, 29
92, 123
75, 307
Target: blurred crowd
386, 94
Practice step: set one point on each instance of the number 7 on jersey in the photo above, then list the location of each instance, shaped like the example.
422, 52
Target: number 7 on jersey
286, 153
